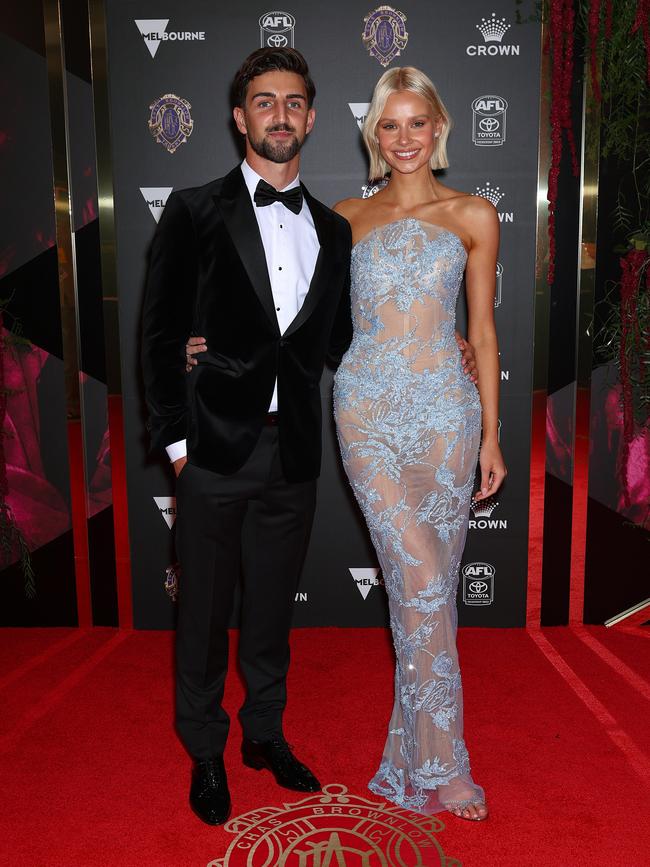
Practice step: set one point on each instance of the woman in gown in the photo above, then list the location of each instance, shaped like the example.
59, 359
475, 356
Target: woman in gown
409, 423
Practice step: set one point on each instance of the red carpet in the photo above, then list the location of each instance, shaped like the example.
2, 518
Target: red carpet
92, 774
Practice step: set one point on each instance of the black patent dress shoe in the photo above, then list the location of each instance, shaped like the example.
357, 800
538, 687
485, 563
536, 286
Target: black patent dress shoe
276, 755
209, 795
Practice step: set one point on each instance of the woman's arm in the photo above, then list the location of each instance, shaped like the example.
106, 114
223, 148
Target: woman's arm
480, 278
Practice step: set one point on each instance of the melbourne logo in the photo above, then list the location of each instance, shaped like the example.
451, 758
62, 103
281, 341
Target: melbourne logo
359, 111
494, 195
478, 584
167, 506
384, 34
154, 31
482, 511
332, 829
276, 30
170, 121
156, 198
489, 121
492, 30
366, 579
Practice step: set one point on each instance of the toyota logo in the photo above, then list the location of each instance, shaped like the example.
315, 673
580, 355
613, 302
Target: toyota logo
478, 587
489, 124
277, 40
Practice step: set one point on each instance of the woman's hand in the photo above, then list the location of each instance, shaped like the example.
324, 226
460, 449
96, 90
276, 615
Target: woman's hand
493, 470
468, 358
193, 346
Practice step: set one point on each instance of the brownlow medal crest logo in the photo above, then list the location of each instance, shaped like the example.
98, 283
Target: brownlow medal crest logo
170, 121
334, 829
384, 34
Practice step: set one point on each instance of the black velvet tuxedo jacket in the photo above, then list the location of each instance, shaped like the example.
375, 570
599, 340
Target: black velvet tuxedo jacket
207, 275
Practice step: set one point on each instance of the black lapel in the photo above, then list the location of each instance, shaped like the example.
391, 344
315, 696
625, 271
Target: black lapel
324, 225
236, 208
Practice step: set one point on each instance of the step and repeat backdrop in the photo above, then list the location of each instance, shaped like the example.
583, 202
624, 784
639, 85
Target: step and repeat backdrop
170, 69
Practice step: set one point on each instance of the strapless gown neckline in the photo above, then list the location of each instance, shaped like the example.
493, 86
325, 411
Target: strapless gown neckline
377, 229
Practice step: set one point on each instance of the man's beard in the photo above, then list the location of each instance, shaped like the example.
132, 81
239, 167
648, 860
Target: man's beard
276, 152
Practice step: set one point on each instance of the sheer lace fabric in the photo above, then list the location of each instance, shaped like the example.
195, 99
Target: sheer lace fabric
408, 424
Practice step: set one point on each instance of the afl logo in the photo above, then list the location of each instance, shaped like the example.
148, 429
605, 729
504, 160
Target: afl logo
478, 584
276, 29
489, 121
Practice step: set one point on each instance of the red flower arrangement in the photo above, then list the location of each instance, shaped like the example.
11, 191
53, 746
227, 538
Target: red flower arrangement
560, 45
642, 23
594, 28
633, 346
562, 19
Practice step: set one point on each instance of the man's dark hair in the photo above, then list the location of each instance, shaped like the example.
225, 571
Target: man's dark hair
268, 60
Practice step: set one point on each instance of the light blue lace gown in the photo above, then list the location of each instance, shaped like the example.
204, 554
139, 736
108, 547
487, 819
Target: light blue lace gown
409, 423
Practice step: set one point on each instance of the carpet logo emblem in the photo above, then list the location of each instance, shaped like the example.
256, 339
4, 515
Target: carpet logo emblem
334, 829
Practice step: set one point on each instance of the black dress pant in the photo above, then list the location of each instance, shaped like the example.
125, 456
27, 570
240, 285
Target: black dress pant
212, 510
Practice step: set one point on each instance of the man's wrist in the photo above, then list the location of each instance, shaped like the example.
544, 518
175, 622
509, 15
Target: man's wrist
176, 450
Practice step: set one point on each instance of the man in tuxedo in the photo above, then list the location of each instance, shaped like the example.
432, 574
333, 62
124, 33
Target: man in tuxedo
260, 268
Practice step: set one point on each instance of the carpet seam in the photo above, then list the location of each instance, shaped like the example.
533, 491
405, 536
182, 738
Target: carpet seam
52, 650
621, 668
638, 761
51, 699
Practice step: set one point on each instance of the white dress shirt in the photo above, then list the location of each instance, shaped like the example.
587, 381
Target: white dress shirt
291, 249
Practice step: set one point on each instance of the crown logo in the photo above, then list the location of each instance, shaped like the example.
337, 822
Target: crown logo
483, 508
492, 194
492, 29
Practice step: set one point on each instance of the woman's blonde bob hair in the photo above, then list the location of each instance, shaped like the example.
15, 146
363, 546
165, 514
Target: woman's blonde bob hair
393, 81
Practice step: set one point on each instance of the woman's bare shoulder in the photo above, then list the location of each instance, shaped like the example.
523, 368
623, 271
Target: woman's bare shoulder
470, 205
349, 208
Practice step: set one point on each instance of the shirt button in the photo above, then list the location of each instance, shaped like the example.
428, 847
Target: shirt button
280, 268
281, 226
278, 309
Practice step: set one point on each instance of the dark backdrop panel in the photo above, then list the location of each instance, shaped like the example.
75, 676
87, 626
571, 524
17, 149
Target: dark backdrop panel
34, 434
500, 64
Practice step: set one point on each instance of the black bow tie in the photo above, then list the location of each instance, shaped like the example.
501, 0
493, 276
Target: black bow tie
265, 195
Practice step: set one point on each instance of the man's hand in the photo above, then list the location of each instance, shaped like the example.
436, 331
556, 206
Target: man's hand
468, 359
193, 346
178, 466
